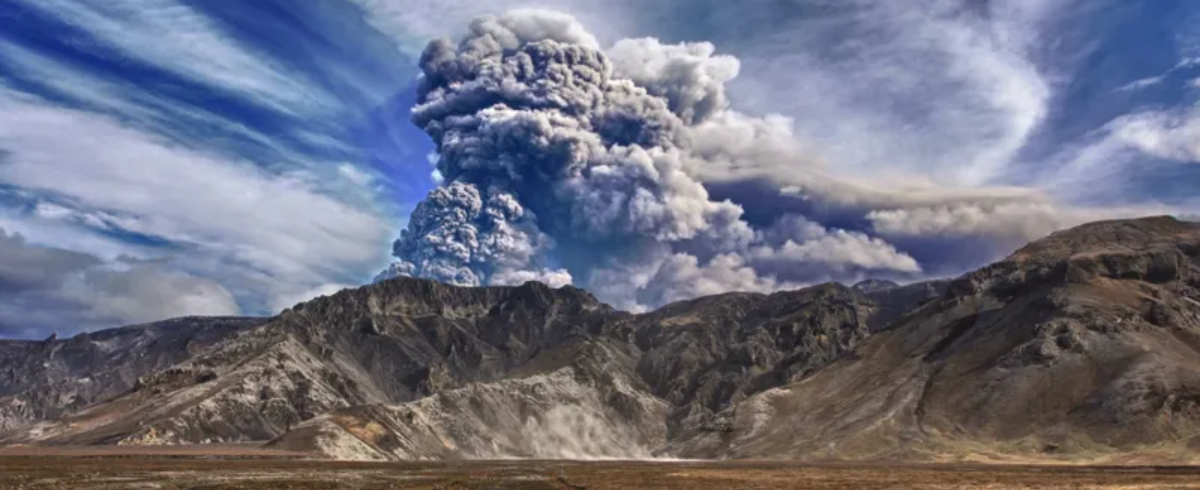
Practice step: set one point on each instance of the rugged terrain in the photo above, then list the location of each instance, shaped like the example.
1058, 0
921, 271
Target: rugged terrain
45, 380
1081, 346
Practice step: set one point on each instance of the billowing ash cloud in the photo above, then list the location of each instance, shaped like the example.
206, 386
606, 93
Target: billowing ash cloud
570, 164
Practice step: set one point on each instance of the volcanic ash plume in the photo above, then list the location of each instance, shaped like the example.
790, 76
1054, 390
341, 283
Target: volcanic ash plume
566, 163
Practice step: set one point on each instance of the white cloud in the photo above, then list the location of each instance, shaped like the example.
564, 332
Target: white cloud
173, 36
102, 160
1155, 80
71, 82
1142, 83
1164, 135
354, 175
63, 230
1021, 220
733, 147
683, 277
235, 220
837, 251
147, 292
902, 88
968, 236
53, 288
1094, 168
52, 211
813, 255
1014, 222
150, 111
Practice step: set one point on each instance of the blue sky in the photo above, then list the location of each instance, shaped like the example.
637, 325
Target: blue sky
169, 157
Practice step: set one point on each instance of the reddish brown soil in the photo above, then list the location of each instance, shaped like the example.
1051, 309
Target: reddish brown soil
217, 451
77, 469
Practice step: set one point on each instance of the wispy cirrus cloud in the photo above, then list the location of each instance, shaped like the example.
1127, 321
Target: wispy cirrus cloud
180, 120
281, 225
183, 143
173, 36
1143, 83
1171, 136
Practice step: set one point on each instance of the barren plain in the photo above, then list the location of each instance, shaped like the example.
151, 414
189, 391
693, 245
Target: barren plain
233, 469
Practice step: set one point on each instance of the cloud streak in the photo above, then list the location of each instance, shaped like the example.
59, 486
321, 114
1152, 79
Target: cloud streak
221, 142
1166, 135
87, 291
280, 229
174, 36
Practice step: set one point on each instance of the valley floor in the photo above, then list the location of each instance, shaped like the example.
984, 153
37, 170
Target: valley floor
176, 472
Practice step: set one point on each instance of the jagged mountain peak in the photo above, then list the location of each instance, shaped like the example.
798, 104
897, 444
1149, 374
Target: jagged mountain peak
875, 285
741, 303
420, 297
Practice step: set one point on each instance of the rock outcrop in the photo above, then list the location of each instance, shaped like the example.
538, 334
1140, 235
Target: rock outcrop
577, 401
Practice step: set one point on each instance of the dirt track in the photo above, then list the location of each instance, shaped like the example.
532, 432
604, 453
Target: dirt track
128, 473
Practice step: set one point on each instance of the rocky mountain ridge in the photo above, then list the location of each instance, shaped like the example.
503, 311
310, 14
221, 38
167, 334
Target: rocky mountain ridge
48, 379
1080, 346
1083, 344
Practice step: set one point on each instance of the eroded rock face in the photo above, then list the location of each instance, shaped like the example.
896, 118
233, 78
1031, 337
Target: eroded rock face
50, 379
1083, 344
403, 341
389, 343
705, 355
593, 407
1080, 345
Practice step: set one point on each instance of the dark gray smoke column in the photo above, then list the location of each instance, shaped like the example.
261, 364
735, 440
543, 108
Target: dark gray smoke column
566, 164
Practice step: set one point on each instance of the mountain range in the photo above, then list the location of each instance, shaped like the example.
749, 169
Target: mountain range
1083, 346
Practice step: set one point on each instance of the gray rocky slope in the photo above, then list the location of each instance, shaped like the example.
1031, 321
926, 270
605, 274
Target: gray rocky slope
1084, 345
48, 379
1081, 344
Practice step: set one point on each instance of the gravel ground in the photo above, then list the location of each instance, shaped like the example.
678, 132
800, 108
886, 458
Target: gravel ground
47, 472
